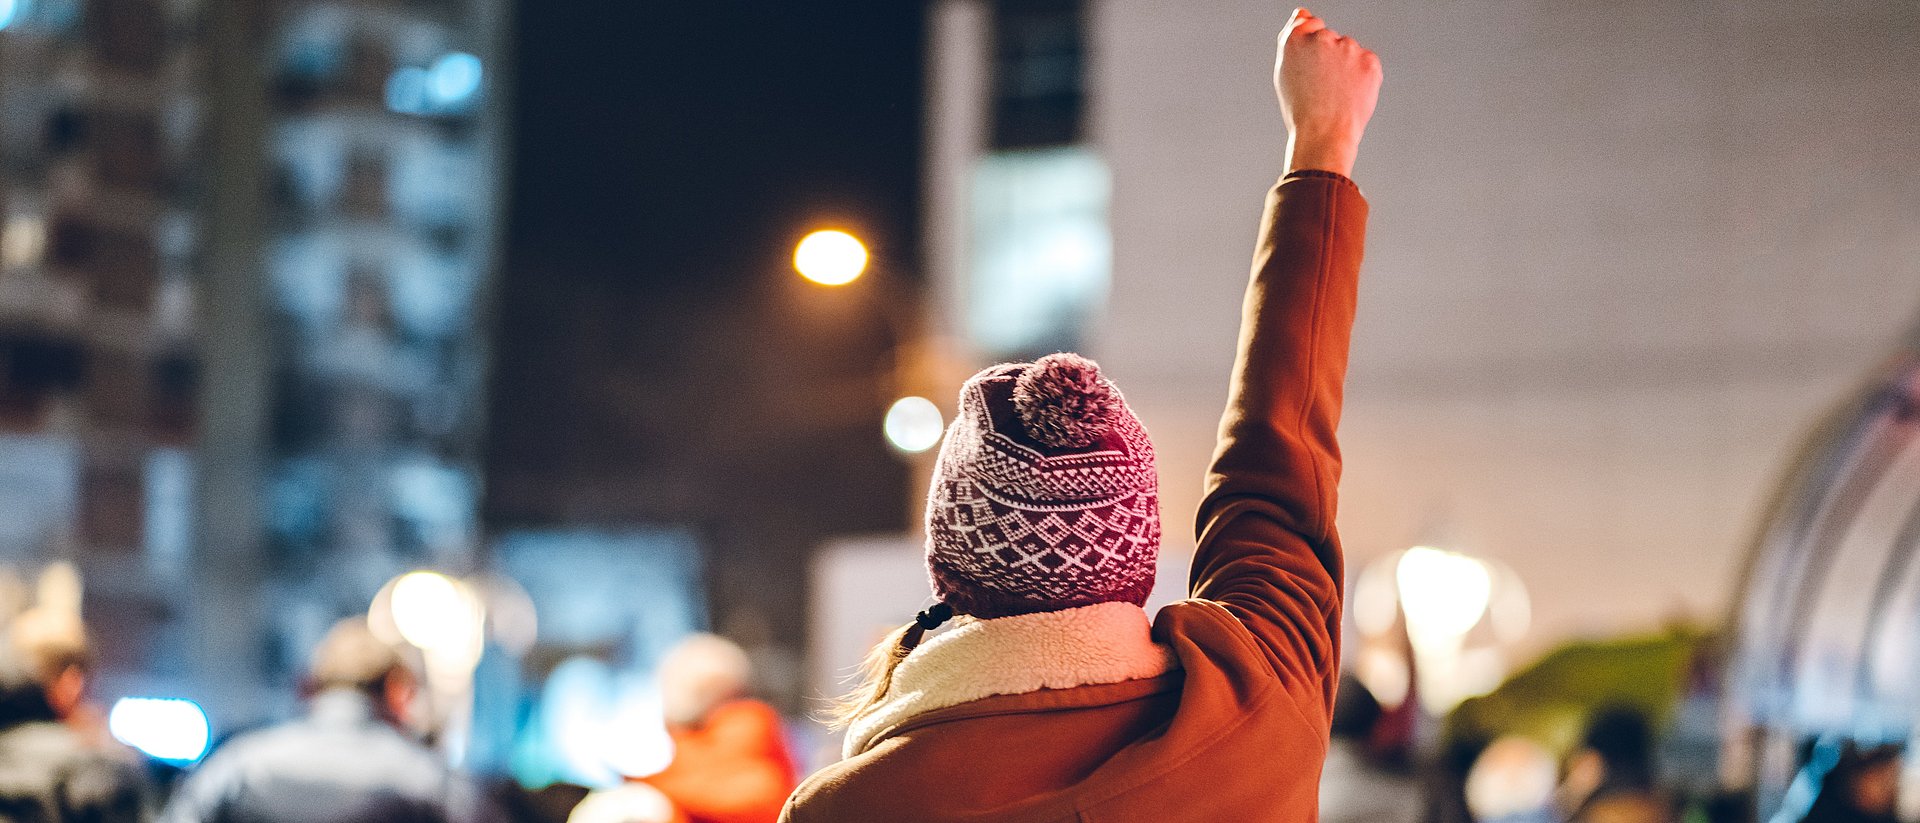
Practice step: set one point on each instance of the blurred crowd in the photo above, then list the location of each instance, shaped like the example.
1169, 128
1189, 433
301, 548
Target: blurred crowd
358, 754
1613, 774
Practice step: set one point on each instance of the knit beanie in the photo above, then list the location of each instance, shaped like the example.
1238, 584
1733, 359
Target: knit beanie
1044, 496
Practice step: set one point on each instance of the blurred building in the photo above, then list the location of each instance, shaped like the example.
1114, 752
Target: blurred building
242, 302
1610, 275
100, 110
384, 158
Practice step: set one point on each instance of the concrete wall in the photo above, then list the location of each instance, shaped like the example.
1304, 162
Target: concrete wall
1621, 256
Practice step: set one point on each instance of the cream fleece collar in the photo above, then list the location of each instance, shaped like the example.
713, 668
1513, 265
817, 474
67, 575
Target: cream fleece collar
1101, 643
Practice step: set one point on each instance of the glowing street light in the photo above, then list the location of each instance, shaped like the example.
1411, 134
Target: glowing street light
913, 424
830, 257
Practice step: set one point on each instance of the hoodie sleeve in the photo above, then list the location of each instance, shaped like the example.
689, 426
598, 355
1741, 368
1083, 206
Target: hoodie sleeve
1267, 549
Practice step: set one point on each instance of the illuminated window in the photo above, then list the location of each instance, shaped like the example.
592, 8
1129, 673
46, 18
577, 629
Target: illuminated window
1041, 254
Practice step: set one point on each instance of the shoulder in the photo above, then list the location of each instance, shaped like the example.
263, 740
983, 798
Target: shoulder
1209, 634
1225, 660
836, 792
60, 749
260, 745
81, 776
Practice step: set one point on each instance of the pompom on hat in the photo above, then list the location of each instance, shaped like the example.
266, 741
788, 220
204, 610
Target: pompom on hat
1044, 496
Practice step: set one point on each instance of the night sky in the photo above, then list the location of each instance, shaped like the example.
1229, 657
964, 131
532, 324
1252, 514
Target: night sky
667, 144
657, 364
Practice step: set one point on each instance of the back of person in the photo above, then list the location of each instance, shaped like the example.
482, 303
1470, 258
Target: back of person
337, 765
49, 775
349, 760
1057, 698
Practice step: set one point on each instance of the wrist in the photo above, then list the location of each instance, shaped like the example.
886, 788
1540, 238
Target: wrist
1325, 153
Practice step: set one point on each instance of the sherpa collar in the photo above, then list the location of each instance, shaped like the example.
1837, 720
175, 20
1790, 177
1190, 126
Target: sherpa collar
1101, 643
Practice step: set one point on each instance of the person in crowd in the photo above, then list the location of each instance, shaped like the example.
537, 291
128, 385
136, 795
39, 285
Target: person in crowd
49, 771
730, 760
1362, 783
1056, 698
1611, 778
351, 759
1862, 787
54, 646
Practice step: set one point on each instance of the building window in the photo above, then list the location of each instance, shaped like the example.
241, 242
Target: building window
1039, 71
1041, 255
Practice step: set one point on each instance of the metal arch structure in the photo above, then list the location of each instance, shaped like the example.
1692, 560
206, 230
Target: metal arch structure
1827, 628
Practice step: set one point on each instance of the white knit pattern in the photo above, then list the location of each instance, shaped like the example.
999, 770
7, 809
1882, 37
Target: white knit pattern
1072, 528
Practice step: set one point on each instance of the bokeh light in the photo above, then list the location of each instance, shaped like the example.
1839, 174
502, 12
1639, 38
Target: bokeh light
512, 620
1513, 779
407, 90
164, 728
454, 80
437, 614
11, 11
914, 424
1442, 593
830, 257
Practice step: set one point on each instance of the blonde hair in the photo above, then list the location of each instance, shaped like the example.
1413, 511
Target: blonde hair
875, 673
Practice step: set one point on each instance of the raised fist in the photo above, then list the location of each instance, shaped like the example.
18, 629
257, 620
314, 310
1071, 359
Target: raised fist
1328, 85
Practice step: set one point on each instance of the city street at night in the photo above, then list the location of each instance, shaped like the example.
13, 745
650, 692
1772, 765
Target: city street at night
959, 411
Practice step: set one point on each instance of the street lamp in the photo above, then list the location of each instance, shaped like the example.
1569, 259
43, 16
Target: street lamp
913, 425
830, 257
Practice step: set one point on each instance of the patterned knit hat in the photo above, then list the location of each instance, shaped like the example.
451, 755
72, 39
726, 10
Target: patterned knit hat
1045, 496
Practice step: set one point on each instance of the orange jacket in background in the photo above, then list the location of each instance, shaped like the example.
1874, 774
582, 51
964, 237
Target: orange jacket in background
733, 768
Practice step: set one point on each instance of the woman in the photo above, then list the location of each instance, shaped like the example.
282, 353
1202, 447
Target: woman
1054, 699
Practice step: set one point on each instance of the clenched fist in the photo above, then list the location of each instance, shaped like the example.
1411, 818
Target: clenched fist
1328, 85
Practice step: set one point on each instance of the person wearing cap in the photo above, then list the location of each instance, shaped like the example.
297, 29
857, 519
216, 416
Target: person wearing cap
51, 768
1055, 698
730, 760
351, 759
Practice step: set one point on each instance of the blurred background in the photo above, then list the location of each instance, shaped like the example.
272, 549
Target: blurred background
548, 334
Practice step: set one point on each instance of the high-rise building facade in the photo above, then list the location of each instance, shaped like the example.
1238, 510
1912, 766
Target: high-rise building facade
100, 112
244, 259
383, 152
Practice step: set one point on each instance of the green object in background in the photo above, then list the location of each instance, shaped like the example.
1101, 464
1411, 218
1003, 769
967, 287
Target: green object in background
1550, 701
